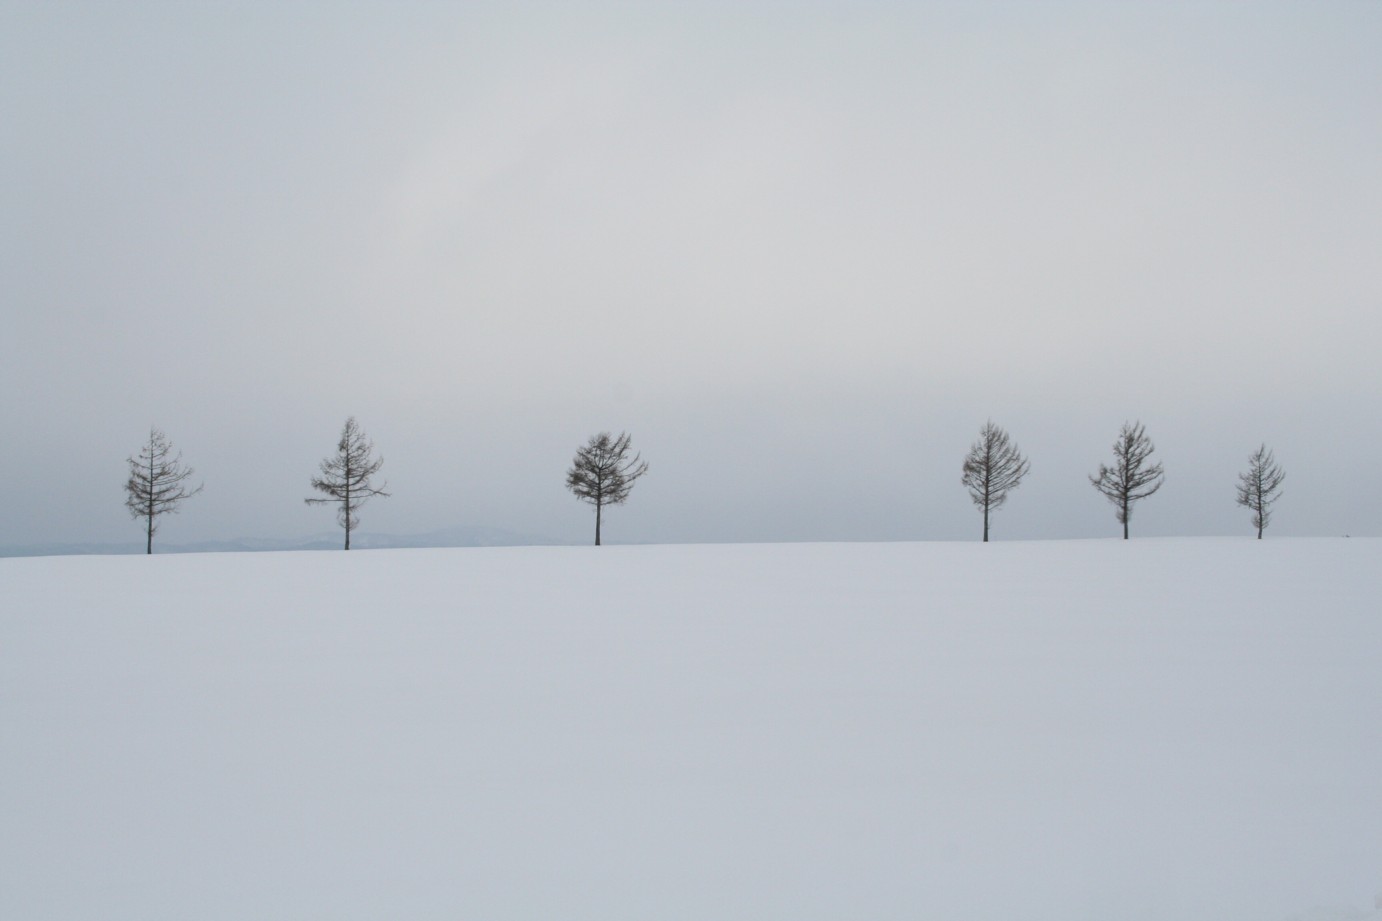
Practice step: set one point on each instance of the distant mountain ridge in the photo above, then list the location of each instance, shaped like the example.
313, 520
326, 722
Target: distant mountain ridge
470, 536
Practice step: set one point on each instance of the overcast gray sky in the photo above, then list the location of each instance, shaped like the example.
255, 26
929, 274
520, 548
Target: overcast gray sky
801, 251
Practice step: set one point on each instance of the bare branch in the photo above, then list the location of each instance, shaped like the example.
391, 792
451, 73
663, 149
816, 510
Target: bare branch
1260, 487
603, 474
993, 468
156, 484
345, 477
1131, 478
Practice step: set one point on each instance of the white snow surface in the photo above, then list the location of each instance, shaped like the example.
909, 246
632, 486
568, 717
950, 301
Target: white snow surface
1151, 729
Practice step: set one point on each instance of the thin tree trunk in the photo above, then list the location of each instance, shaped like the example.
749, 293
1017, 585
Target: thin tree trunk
598, 507
986, 524
149, 542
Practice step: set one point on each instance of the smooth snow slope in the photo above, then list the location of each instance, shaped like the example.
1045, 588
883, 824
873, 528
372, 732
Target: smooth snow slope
1152, 729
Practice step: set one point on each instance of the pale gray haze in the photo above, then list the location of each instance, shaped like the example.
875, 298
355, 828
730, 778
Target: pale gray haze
800, 251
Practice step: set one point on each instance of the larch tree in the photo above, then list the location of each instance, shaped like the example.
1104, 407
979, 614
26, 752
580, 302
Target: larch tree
1131, 478
1260, 486
602, 473
993, 468
157, 484
345, 477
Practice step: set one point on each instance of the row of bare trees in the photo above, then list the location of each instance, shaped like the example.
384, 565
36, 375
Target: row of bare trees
157, 484
601, 474
995, 466
605, 469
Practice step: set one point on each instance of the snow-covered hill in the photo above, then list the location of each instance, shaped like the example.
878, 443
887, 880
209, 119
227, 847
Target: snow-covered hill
1153, 729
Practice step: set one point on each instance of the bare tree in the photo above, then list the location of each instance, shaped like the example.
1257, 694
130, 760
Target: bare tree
603, 474
1131, 478
345, 477
993, 468
157, 484
1260, 487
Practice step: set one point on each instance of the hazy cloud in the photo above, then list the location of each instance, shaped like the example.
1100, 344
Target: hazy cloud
801, 252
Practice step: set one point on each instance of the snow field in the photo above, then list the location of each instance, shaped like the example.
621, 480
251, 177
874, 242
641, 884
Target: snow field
1153, 729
